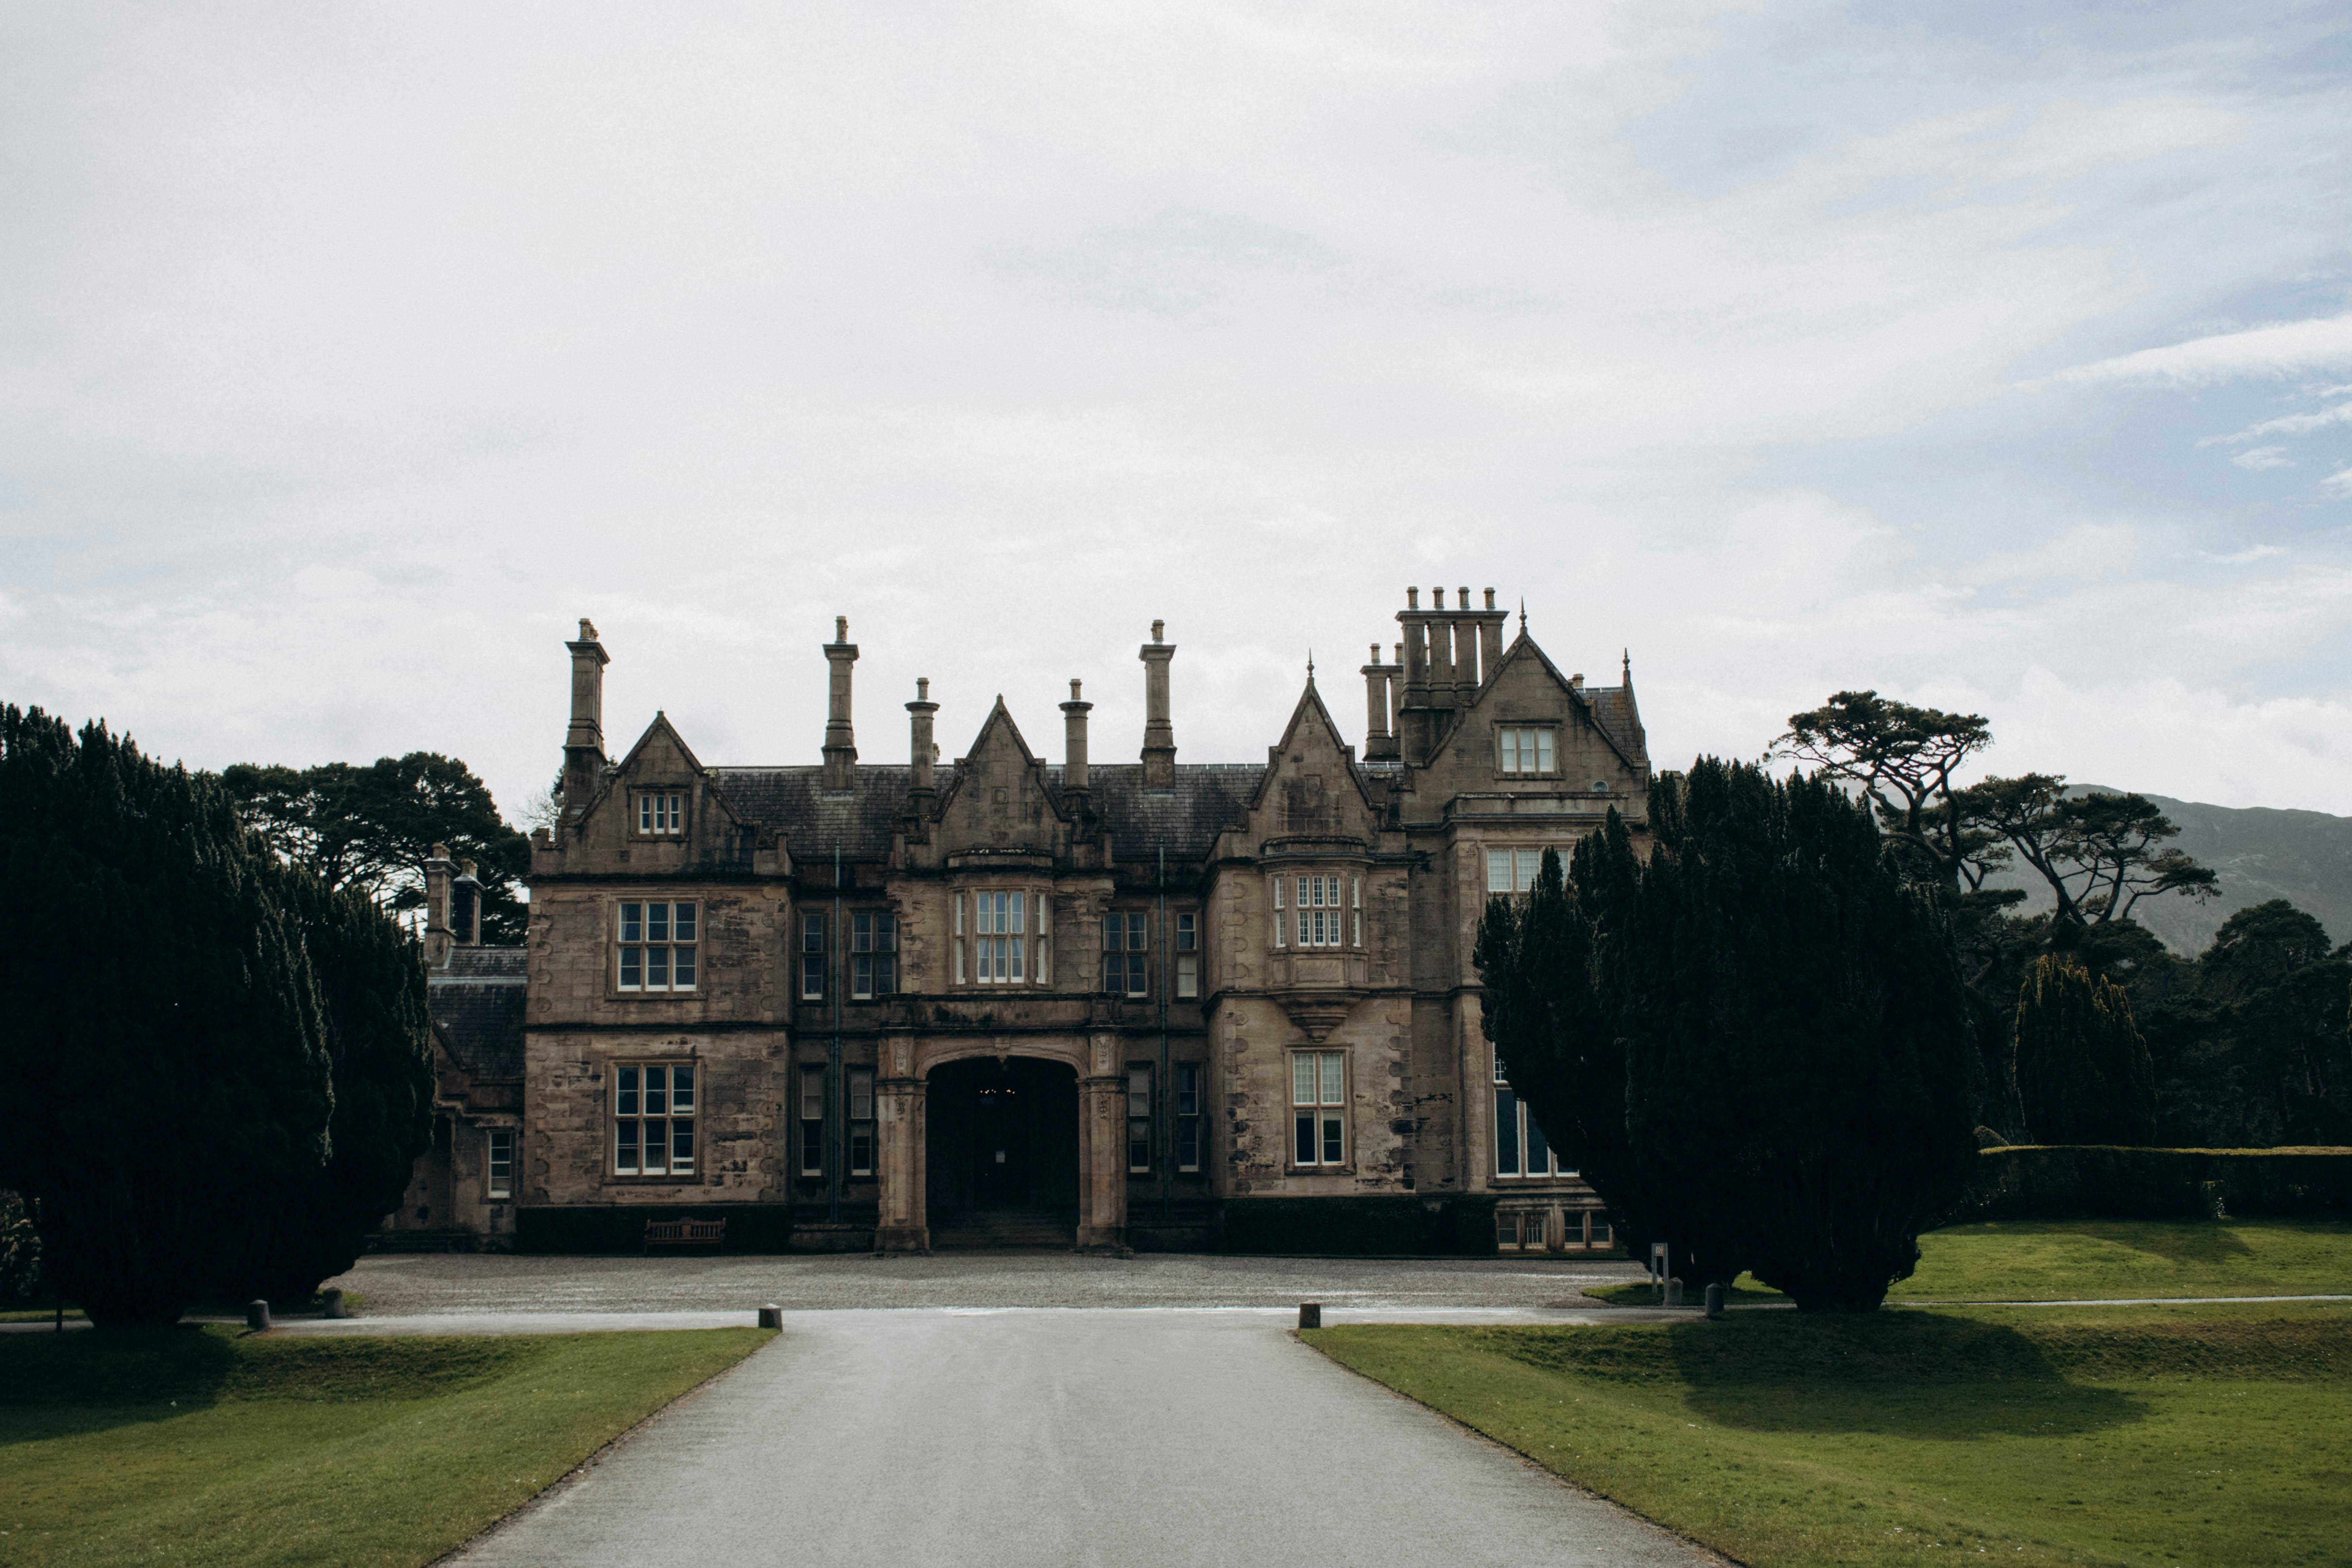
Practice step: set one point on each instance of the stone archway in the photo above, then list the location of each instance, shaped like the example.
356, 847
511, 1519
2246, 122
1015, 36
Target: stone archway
1077, 1079
1001, 1152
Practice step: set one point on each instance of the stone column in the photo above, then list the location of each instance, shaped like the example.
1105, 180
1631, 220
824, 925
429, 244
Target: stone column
1102, 1149
901, 1099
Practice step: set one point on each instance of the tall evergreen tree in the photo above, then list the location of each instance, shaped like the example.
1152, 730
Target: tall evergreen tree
2084, 1075
370, 983
162, 1042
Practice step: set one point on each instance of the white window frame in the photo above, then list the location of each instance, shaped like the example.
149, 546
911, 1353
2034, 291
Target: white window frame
1133, 936
1512, 1116
1319, 1133
814, 953
656, 953
1320, 915
498, 1162
1527, 751
660, 814
645, 1096
1513, 867
873, 953
1188, 955
810, 1111
1000, 939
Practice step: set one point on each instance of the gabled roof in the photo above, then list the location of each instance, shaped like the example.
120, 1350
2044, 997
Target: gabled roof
1311, 701
661, 726
999, 728
1618, 727
476, 1004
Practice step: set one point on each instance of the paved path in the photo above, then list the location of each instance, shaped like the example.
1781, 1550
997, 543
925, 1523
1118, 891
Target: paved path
1041, 1439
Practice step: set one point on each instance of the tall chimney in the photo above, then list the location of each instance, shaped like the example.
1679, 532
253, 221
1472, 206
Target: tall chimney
840, 740
437, 869
1159, 736
1440, 655
466, 907
1467, 673
1490, 638
583, 742
1073, 738
919, 733
1379, 740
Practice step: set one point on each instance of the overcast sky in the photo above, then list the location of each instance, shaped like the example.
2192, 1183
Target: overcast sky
1997, 356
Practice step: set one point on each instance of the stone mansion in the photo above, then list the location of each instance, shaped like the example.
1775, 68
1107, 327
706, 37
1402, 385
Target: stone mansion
1003, 1000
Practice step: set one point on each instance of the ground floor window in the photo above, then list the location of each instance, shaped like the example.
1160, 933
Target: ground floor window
1188, 1116
861, 1124
1139, 1119
1520, 1147
811, 1119
1318, 1106
1530, 1230
653, 1120
501, 1173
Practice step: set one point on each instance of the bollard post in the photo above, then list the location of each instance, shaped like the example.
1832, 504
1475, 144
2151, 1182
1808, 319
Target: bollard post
1310, 1314
331, 1304
1674, 1292
1714, 1300
772, 1315
256, 1315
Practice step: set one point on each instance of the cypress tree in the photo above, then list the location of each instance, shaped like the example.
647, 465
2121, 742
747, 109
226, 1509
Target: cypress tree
162, 1042
2084, 1074
370, 975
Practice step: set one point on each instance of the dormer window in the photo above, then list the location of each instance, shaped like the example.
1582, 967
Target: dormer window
660, 814
1526, 749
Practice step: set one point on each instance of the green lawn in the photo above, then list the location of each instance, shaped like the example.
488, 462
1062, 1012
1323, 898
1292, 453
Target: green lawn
2206, 1435
2069, 1260
210, 1447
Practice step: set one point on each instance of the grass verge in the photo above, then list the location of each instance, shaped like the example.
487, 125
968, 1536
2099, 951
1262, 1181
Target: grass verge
2207, 1437
2090, 1259
202, 1447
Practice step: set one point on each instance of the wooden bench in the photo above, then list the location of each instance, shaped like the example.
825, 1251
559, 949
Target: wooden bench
686, 1233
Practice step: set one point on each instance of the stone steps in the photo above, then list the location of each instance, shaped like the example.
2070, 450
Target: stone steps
975, 1229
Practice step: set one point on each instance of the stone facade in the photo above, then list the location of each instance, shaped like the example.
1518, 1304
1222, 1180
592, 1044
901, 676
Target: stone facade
1003, 999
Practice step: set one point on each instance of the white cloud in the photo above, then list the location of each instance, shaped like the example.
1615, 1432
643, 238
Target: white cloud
2286, 348
2245, 557
2263, 458
2340, 481
2297, 424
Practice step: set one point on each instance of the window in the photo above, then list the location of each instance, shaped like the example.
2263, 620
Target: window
997, 941
1318, 1106
1123, 952
659, 815
1355, 911
1045, 941
653, 1120
861, 1123
1526, 751
1320, 920
873, 955
1139, 1119
1187, 956
1188, 1116
812, 1122
501, 1163
812, 958
957, 943
657, 947
1512, 871
1281, 923
1520, 1147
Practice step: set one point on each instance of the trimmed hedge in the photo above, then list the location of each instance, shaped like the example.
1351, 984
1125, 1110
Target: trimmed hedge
621, 1227
2110, 1181
1462, 1226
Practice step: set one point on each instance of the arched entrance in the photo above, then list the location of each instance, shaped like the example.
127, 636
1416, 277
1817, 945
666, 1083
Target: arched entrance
1001, 1152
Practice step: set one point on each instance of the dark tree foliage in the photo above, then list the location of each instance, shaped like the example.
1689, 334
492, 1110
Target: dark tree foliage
373, 827
20, 1252
167, 1069
2083, 1073
2260, 946
1784, 1016
370, 986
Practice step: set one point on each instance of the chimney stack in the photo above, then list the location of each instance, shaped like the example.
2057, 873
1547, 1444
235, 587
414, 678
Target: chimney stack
583, 742
1159, 736
1074, 740
466, 907
1490, 638
920, 750
1379, 739
840, 739
437, 869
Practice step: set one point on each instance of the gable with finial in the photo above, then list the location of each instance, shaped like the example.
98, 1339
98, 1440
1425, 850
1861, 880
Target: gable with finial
997, 795
659, 796
1311, 788
1528, 691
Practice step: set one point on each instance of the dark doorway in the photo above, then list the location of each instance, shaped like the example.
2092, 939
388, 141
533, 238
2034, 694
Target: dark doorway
1003, 1153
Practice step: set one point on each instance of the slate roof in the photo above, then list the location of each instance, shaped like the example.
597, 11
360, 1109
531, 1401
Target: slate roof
1208, 798
1612, 707
476, 1007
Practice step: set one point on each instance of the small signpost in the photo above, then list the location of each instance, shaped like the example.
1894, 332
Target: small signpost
1659, 1256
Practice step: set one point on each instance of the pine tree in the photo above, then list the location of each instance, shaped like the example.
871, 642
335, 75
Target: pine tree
162, 1044
2084, 1075
370, 975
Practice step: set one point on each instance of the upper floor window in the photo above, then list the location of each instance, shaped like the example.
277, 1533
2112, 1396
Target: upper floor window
1188, 955
1123, 952
659, 813
873, 955
999, 948
653, 1120
1525, 750
1325, 906
1512, 871
812, 958
658, 946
